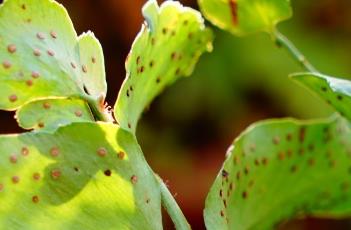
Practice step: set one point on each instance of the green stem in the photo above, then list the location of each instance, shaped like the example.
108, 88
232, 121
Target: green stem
283, 41
98, 112
172, 208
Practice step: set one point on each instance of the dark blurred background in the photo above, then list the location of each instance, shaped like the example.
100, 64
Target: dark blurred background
188, 128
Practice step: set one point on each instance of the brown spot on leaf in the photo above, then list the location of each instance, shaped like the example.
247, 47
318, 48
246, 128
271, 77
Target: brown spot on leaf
102, 152
53, 34
25, 151
55, 174
51, 53
121, 155
234, 11
46, 105
40, 36
276, 140
107, 172
36, 52
35, 74
41, 124
73, 65
36, 176
29, 82
13, 159
245, 194
6, 64
35, 199
78, 113
84, 69
54, 151
134, 179
13, 98
11, 48
15, 179
302, 134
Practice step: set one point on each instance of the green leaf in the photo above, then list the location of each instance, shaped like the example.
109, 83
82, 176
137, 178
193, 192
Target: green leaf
43, 57
279, 169
84, 176
336, 92
167, 48
242, 17
49, 114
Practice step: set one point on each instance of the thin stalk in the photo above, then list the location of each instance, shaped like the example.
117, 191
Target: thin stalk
283, 41
172, 208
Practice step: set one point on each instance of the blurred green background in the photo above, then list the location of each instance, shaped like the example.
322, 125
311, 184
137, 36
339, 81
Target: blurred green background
188, 128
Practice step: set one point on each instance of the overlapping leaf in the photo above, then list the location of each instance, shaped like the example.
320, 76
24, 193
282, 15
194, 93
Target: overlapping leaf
84, 176
48, 114
241, 17
167, 48
41, 55
335, 91
278, 169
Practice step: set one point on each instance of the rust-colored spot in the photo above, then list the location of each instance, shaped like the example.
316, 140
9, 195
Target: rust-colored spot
221, 193
134, 179
164, 31
147, 200
302, 134
107, 172
13, 159
129, 125
53, 34
142, 69
35, 74
138, 60
289, 137
289, 153
78, 113
73, 65
41, 125
29, 82
281, 155
13, 98
54, 151
158, 80
264, 161
6, 64
35, 199
245, 194
225, 173
234, 11
84, 69
311, 147
276, 140
251, 183
222, 213
102, 152
15, 179
51, 53
55, 174
23, 7
225, 203
40, 36
36, 176
257, 162
247, 170
127, 93
93, 60
25, 151
11, 48
46, 105
36, 52
174, 55
238, 175
121, 155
